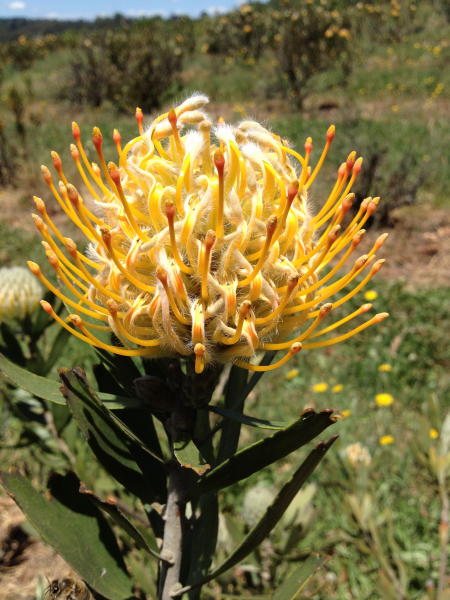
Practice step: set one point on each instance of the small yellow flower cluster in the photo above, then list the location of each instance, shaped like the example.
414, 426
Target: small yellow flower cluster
384, 399
385, 440
203, 243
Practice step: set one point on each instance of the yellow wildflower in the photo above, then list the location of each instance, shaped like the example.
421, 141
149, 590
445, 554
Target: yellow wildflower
371, 295
384, 399
320, 387
434, 434
292, 374
338, 388
386, 440
385, 368
346, 413
202, 243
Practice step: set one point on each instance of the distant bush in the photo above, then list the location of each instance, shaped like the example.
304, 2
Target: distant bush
310, 40
21, 53
243, 33
136, 66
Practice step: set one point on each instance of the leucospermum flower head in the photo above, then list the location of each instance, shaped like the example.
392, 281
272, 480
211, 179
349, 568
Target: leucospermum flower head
202, 242
19, 294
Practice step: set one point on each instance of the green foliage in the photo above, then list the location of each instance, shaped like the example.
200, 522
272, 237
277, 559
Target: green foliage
137, 66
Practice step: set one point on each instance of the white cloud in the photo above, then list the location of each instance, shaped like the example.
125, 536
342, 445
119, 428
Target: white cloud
17, 5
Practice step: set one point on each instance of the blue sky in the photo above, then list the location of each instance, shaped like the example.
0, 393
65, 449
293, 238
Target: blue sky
89, 9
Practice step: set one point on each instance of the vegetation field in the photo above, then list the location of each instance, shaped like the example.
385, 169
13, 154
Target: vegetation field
378, 504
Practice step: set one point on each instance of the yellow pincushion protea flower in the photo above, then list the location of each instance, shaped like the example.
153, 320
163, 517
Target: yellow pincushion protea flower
205, 244
20, 294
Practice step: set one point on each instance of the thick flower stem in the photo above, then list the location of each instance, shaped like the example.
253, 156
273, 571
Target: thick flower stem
173, 531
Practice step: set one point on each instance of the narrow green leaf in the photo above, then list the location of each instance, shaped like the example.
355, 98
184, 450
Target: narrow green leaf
58, 346
12, 349
273, 513
204, 539
51, 390
231, 430
106, 382
122, 368
246, 419
188, 455
142, 576
293, 585
238, 402
113, 511
66, 518
265, 452
108, 442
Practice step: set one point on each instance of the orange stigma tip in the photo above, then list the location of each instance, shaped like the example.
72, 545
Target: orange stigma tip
334, 233
221, 122
365, 307
308, 145
358, 165
74, 197
56, 160
380, 317
105, 233
325, 309
171, 117
372, 206
47, 307
112, 307
350, 161
96, 169
199, 350
342, 169
52, 258
114, 173
377, 266
293, 190
46, 174
308, 173
97, 138
76, 132
210, 239
219, 160
76, 320
161, 274
74, 152
170, 209
292, 282
330, 133
70, 245
245, 308
271, 224
39, 204
116, 136
295, 348
34, 268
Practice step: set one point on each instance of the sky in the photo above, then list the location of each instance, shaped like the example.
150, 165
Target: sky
89, 9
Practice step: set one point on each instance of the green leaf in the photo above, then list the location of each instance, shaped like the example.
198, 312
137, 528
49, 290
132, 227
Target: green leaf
122, 368
51, 390
58, 346
204, 539
246, 419
231, 430
113, 511
273, 513
293, 585
12, 349
66, 518
106, 382
188, 455
265, 452
108, 442
142, 576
